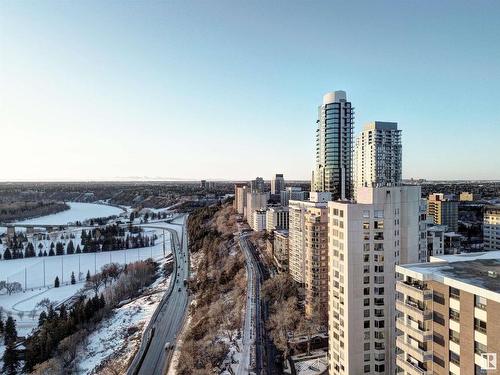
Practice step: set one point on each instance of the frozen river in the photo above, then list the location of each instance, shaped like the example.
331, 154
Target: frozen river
77, 212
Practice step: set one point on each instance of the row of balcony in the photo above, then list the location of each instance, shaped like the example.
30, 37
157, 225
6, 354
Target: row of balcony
409, 367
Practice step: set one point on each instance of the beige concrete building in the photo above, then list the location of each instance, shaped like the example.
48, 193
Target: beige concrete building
297, 232
240, 198
255, 201
316, 263
258, 223
466, 196
367, 240
448, 319
443, 211
491, 228
276, 218
280, 252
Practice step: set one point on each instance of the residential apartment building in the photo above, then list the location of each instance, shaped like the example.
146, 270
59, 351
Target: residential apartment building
367, 239
255, 201
280, 252
257, 185
435, 240
240, 198
377, 156
276, 218
316, 263
297, 232
491, 228
334, 146
277, 184
258, 223
443, 210
448, 320
293, 193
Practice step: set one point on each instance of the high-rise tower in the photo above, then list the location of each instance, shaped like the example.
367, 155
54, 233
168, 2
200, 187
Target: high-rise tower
334, 146
377, 156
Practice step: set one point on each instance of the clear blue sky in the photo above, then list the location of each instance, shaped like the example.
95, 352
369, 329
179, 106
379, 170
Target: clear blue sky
230, 89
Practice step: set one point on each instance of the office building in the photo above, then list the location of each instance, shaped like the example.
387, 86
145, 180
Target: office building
277, 184
297, 232
280, 252
276, 218
491, 228
257, 185
377, 156
443, 210
293, 193
447, 315
366, 241
334, 146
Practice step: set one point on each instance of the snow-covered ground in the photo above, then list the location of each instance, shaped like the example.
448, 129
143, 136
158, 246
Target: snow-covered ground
118, 338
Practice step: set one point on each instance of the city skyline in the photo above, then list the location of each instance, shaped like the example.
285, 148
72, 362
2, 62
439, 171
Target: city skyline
112, 91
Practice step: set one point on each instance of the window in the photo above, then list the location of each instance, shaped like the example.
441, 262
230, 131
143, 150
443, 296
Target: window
379, 368
438, 318
366, 369
366, 324
378, 224
454, 358
366, 225
379, 324
438, 298
480, 302
454, 315
479, 325
454, 336
366, 346
378, 236
378, 214
366, 302
366, 313
438, 339
438, 360
454, 293
366, 213
479, 348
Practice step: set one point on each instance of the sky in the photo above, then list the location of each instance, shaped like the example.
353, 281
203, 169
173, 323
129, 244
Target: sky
93, 90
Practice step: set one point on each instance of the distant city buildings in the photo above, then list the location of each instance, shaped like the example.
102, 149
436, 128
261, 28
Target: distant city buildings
491, 228
277, 184
443, 210
468, 197
334, 146
448, 316
257, 185
293, 193
378, 156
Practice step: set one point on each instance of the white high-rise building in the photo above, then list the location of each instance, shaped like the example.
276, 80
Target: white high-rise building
276, 218
377, 156
367, 239
334, 146
277, 183
491, 228
298, 212
255, 201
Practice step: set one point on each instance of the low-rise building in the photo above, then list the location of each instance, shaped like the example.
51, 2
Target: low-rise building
447, 315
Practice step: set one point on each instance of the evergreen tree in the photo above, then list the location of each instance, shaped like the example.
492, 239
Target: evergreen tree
51, 253
7, 254
56, 282
42, 318
73, 280
10, 334
87, 278
70, 249
78, 250
59, 249
10, 360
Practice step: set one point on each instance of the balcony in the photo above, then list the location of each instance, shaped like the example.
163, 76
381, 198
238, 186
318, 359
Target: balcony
414, 291
413, 350
417, 333
415, 312
409, 368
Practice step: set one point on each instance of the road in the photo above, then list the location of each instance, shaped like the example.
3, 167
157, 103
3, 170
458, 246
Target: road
152, 357
264, 350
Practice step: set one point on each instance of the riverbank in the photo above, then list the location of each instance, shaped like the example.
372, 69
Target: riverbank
16, 211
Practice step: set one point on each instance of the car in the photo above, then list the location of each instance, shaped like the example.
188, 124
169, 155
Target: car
179, 289
168, 345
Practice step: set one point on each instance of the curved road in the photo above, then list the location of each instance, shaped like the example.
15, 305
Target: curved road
153, 358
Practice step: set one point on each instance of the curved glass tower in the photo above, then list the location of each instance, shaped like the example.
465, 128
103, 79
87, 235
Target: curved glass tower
334, 146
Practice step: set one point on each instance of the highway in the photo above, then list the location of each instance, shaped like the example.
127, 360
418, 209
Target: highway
153, 358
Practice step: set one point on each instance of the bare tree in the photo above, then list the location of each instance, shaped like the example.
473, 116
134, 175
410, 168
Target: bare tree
95, 283
13, 287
